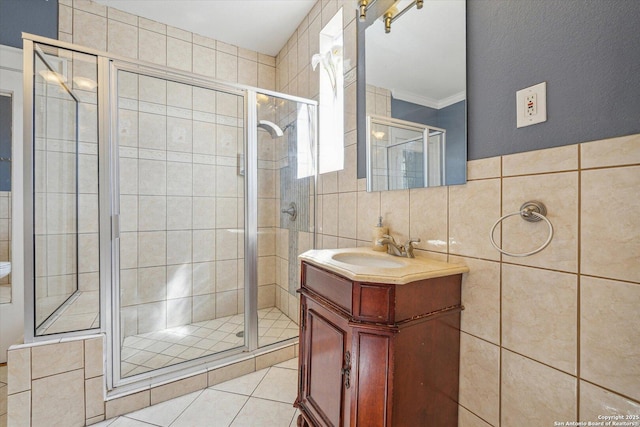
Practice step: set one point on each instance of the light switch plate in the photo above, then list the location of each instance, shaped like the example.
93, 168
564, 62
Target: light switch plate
531, 105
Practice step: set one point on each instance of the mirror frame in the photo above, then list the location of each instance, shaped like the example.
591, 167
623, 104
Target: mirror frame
376, 10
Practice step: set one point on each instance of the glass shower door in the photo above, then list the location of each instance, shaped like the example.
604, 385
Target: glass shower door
65, 194
286, 148
181, 215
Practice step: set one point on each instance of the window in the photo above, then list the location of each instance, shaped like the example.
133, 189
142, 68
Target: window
331, 102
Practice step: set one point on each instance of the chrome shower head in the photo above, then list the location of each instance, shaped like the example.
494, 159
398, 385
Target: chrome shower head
270, 127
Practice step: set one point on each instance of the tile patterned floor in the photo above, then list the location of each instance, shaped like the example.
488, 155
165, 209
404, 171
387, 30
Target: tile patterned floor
260, 399
144, 352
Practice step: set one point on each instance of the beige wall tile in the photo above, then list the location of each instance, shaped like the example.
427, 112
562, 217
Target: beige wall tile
58, 399
93, 357
148, 24
89, 30
484, 168
247, 72
610, 335
596, 402
559, 193
121, 16
329, 214
152, 46
65, 19
394, 208
56, 358
428, 218
481, 298
347, 180
535, 393
367, 215
126, 404
94, 397
347, 210
539, 315
19, 373
611, 152
179, 33
178, 388
610, 246
473, 208
274, 357
226, 67
122, 39
179, 54
556, 159
480, 377
235, 370
19, 409
90, 6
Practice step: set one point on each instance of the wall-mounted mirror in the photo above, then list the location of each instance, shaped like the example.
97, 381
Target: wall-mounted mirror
415, 73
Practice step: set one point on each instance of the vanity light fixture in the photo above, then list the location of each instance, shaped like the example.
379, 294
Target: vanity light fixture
363, 5
391, 15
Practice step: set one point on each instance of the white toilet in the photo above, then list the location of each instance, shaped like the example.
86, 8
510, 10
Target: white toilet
5, 268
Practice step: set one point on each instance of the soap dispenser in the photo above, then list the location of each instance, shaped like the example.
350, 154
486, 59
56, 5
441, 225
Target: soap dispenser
377, 233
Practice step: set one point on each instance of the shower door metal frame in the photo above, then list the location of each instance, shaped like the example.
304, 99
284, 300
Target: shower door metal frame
109, 223
196, 364
29, 42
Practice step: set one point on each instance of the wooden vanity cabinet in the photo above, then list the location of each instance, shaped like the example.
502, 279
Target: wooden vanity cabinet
376, 354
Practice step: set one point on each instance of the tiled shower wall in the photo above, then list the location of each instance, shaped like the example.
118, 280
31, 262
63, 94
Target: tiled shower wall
89, 24
181, 203
550, 337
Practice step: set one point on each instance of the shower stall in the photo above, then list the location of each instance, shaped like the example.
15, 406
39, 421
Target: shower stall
163, 208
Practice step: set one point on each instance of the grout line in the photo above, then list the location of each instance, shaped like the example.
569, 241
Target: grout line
500, 302
578, 284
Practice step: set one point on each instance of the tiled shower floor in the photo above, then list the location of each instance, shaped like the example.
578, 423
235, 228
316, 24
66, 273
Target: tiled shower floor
153, 350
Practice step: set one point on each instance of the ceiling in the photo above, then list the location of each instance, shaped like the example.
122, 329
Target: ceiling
423, 59
260, 25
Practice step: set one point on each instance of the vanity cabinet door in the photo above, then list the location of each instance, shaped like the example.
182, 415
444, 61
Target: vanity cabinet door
325, 362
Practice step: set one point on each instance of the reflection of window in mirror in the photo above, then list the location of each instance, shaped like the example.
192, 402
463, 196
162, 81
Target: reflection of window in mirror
6, 120
331, 103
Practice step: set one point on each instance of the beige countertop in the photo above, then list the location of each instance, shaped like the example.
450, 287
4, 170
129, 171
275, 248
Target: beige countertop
366, 265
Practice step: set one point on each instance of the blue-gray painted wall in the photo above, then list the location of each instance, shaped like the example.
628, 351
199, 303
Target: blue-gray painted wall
588, 52
38, 17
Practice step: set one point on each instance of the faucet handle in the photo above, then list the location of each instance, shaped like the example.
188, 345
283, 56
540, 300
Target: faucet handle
408, 247
389, 236
411, 241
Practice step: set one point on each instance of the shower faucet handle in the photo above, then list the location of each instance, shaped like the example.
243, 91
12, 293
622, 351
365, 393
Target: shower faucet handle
292, 211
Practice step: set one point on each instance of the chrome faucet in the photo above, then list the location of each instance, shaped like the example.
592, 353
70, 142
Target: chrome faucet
396, 249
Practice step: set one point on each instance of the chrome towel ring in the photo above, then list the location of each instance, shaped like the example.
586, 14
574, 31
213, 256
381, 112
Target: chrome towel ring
532, 211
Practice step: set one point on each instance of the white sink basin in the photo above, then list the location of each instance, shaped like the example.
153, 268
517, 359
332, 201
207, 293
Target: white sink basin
365, 260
